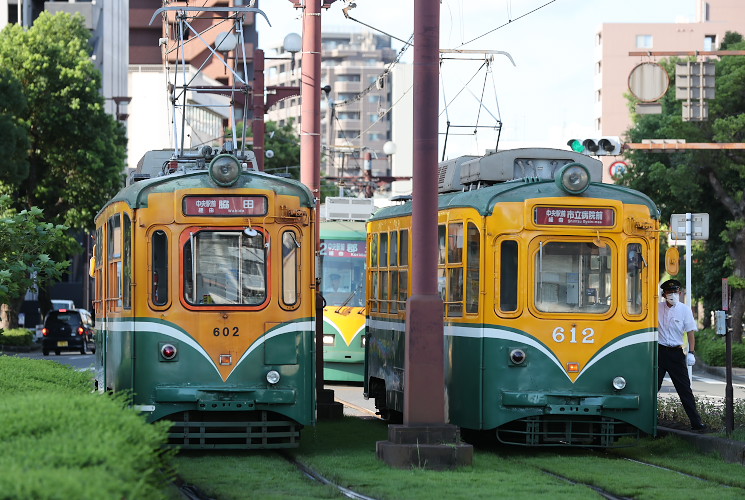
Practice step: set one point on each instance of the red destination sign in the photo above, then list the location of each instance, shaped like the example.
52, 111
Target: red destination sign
344, 248
574, 216
225, 205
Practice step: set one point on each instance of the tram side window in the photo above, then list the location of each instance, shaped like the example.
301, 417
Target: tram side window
455, 269
98, 251
635, 267
159, 277
473, 256
127, 262
374, 273
290, 261
573, 277
403, 273
394, 271
225, 268
114, 259
508, 274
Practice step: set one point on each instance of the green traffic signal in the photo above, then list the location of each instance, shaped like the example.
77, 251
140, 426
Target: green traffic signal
576, 145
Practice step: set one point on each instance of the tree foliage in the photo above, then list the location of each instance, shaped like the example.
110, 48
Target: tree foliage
26, 242
708, 181
13, 131
77, 150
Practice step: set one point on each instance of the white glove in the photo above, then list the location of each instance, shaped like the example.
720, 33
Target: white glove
690, 359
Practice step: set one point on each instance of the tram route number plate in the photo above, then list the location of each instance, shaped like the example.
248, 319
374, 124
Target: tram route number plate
575, 216
225, 205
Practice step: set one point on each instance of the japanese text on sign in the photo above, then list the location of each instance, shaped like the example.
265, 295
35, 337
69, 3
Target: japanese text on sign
562, 216
341, 248
225, 206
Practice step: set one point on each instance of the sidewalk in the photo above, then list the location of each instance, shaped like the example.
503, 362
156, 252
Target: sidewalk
738, 374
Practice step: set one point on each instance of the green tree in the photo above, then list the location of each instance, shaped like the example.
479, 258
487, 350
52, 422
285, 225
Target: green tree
26, 242
13, 132
285, 144
77, 150
711, 181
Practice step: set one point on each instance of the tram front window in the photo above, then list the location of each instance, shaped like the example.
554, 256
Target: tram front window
225, 267
343, 273
573, 277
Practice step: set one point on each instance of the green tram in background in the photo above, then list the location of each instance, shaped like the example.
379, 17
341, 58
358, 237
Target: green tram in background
342, 268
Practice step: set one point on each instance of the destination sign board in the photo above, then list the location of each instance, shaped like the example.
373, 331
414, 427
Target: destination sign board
575, 216
225, 205
344, 248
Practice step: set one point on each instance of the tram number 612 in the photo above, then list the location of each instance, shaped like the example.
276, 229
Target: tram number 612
226, 332
588, 335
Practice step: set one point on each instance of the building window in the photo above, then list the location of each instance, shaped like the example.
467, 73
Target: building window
710, 42
597, 95
643, 41
598, 67
598, 39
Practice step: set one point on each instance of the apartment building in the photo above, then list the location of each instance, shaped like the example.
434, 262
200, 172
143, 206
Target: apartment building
355, 119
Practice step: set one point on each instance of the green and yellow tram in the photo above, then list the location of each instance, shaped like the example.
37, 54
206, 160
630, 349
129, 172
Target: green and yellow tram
205, 301
549, 283
342, 265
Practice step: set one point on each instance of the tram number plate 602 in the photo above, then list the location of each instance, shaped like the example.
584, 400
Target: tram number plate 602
226, 331
560, 335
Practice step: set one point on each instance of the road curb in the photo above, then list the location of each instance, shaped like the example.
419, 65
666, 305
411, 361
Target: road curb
730, 451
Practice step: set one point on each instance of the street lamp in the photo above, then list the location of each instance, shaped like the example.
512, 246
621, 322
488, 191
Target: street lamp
389, 148
293, 43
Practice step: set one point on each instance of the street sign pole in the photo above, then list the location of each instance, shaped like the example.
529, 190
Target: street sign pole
689, 233
729, 400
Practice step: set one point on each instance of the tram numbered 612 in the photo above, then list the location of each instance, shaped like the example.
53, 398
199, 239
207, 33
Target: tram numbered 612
549, 283
205, 302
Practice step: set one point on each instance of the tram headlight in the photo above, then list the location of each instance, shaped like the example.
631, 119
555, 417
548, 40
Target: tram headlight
517, 356
574, 178
168, 351
272, 376
328, 339
224, 170
619, 383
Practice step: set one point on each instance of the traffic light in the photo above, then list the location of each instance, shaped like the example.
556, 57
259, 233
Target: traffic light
597, 147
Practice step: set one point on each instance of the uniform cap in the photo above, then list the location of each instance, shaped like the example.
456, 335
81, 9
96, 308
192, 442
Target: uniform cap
671, 285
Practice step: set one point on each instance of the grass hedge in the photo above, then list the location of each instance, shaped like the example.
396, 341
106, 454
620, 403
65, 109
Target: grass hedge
62, 441
711, 348
17, 337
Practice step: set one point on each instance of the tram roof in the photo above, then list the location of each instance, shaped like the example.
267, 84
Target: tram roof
343, 230
484, 199
136, 195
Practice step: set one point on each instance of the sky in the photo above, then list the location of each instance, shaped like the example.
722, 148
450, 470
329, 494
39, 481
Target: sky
543, 100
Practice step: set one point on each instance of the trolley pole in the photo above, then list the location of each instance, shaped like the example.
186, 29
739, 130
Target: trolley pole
425, 440
310, 172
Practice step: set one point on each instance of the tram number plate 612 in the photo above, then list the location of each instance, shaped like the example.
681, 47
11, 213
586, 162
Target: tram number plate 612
226, 331
587, 335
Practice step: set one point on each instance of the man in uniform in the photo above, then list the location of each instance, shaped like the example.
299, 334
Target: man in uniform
676, 320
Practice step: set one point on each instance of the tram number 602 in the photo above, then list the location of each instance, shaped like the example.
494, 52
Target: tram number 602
226, 332
588, 335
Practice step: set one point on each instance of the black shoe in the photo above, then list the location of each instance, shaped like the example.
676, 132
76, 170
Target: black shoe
700, 429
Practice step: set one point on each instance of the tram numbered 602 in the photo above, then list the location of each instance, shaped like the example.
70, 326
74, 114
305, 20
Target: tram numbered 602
549, 283
205, 301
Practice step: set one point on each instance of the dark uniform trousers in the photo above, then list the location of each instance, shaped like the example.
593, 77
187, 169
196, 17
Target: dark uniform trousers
673, 361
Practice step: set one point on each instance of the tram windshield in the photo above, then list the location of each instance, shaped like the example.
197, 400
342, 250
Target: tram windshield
343, 272
573, 277
225, 267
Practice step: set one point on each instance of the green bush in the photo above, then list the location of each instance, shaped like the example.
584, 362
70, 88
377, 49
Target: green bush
712, 350
61, 440
17, 337
21, 375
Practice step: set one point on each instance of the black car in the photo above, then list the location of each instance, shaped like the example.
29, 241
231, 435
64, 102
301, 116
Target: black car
68, 330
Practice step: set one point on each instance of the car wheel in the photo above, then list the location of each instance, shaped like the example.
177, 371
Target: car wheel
84, 347
57, 352
45, 352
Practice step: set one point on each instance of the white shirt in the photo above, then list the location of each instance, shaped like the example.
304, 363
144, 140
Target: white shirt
675, 321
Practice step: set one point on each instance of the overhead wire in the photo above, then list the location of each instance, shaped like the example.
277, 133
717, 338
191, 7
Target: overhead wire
507, 23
